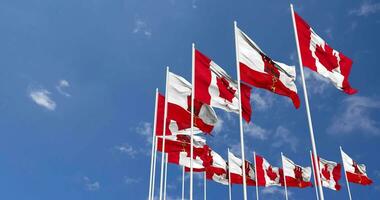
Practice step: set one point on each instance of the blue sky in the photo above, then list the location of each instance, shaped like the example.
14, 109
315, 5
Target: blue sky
78, 77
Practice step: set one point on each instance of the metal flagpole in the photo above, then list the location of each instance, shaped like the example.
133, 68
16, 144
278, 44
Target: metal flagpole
314, 148
192, 119
229, 176
153, 148
166, 174
345, 174
286, 189
183, 182
315, 181
204, 186
240, 115
164, 134
154, 167
257, 184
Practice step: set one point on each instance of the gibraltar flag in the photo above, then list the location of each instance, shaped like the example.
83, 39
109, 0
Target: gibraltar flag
295, 175
267, 175
214, 87
257, 69
320, 57
217, 171
356, 173
179, 107
236, 172
330, 173
177, 143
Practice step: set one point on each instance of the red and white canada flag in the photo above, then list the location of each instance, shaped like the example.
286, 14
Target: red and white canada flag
318, 56
258, 70
330, 173
214, 87
295, 175
217, 171
356, 173
179, 109
267, 175
236, 172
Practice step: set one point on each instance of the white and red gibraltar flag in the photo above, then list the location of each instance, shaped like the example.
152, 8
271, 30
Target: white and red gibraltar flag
177, 143
179, 109
295, 175
267, 175
356, 173
258, 70
330, 173
236, 172
217, 171
214, 87
318, 56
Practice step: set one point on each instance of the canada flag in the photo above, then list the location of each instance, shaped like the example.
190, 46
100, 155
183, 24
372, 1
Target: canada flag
267, 175
318, 56
235, 165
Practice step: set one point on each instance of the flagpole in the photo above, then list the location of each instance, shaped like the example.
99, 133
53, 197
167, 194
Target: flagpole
153, 148
204, 186
192, 119
314, 148
183, 182
345, 174
229, 175
315, 181
166, 174
240, 115
164, 134
154, 166
257, 184
286, 189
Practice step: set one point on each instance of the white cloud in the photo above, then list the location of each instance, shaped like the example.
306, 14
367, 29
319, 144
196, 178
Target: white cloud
194, 4
145, 129
283, 137
142, 28
262, 100
218, 126
315, 83
91, 185
129, 180
366, 8
41, 97
356, 116
275, 191
127, 149
256, 131
62, 84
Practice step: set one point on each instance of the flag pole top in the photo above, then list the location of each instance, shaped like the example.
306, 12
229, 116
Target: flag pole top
235, 23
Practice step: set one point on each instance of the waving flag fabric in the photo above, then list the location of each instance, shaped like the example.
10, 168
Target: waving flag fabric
258, 70
179, 108
356, 173
295, 175
267, 175
217, 171
235, 165
214, 87
318, 56
330, 173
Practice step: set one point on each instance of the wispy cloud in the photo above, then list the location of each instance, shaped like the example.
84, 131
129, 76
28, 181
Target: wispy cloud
130, 180
366, 8
256, 131
218, 126
62, 85
127, 149
275, 191
194, 4
262, 100
42, 98
316, 84
283, 137
91, 185
355, 115
141, 27
145, 129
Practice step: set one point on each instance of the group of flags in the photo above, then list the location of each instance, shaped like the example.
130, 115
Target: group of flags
186, 110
